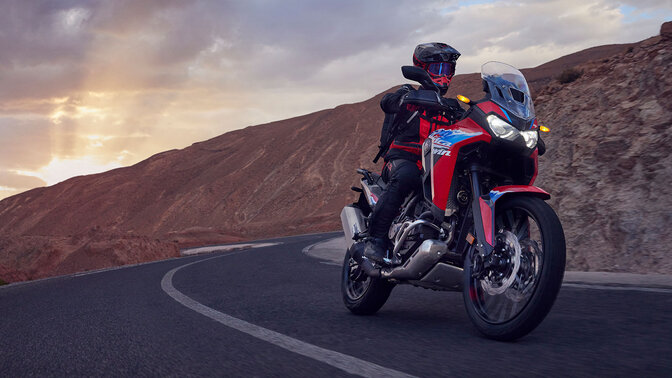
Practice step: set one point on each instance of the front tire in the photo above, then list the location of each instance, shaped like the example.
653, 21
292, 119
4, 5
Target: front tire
508, 301
362, 295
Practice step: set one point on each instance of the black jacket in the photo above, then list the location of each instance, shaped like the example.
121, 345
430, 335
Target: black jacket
411, 125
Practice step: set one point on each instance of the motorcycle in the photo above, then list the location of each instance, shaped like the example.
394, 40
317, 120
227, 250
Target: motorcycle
478, 225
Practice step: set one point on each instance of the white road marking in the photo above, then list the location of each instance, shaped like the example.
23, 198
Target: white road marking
622, 288
223, 248
338, 360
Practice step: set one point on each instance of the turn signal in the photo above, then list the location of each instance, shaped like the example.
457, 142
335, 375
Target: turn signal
544, 129
464, 99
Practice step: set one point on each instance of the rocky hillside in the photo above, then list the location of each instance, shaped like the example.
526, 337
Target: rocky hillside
609, 166
293, 176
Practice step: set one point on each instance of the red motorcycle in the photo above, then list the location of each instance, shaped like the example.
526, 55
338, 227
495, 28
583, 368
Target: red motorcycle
478, 225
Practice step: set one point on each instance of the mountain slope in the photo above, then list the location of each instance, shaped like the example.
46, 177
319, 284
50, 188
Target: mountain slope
286, 177
609, 163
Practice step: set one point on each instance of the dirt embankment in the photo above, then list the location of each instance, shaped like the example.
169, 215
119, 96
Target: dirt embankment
32, 257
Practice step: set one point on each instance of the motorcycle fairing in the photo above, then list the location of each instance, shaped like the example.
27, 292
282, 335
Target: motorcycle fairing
490, 107
487, 205
535, 157
440, 156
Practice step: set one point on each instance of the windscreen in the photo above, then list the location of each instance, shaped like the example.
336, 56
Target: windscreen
508, 89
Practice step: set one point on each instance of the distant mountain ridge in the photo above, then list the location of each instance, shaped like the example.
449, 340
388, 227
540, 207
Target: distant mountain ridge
287, 177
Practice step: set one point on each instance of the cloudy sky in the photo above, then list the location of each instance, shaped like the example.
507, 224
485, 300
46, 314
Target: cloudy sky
87, 86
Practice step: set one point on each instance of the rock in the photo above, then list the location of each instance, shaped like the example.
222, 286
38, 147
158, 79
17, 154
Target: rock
666, 30
616, 208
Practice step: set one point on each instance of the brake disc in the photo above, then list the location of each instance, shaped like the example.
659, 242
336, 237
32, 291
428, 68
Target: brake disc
495, 285
527, 273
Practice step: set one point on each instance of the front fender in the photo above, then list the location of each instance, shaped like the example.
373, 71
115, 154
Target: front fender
487, 206
500, 191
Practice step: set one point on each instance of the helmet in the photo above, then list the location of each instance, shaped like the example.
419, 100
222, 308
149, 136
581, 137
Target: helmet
438, 59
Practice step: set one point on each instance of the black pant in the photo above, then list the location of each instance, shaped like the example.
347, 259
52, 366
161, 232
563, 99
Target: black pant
402, 177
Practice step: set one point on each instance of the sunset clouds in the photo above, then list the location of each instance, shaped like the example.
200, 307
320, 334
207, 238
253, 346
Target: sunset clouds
87, 86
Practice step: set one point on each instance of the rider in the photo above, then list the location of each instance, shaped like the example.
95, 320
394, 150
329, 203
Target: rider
402, 161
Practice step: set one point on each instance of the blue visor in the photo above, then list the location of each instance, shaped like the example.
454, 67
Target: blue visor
443, 68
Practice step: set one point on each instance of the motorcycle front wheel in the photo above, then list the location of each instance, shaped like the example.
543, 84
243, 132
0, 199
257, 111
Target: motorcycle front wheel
362, 295
511, 297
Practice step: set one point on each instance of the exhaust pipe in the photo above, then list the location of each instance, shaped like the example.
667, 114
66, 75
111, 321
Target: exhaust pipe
423, 259
401, 239
421, 269
365, 264
369, 269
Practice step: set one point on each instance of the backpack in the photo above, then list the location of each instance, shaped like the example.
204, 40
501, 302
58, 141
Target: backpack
389, 130
387, 135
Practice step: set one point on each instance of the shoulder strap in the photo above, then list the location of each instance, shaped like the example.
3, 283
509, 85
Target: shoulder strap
387, 135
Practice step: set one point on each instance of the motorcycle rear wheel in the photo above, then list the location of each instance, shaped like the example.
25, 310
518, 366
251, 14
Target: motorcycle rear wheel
363, 296
511, 300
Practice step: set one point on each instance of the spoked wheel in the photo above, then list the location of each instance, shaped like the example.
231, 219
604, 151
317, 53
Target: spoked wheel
508, 293
362, 294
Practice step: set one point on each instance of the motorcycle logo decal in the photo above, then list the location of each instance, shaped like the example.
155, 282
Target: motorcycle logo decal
439, 141
441, 150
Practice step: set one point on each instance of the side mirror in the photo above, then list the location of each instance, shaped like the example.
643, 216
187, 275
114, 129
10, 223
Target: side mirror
421, 76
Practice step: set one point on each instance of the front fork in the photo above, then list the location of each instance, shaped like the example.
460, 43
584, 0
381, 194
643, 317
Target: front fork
480, 210
483, 210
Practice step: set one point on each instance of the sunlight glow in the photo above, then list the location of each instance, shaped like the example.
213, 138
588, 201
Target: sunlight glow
56, 116
8, 192
60, 100
61, 169
96, 114
85, 110
96, 141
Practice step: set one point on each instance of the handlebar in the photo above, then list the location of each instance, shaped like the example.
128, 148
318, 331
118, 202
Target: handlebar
427, 99
424, 98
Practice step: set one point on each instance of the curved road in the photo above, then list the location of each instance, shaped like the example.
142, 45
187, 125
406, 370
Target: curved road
274, 311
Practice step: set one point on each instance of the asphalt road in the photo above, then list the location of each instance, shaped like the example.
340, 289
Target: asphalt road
275, 311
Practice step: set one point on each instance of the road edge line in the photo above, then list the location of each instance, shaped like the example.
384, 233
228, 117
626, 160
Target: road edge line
338, 360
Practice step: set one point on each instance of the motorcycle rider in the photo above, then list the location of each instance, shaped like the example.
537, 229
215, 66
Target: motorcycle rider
403, 165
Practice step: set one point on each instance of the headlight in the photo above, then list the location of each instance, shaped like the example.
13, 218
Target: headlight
502, 128
505, 130
531, 137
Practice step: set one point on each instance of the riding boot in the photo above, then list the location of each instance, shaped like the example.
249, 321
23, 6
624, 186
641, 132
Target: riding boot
376, 249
